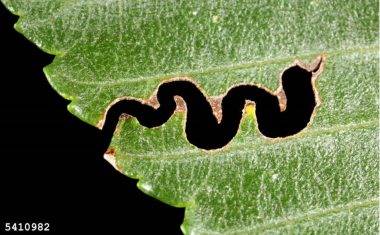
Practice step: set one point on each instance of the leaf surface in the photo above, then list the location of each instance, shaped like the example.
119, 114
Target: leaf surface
322, 180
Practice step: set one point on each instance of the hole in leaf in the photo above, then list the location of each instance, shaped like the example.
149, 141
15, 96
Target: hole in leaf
280, 114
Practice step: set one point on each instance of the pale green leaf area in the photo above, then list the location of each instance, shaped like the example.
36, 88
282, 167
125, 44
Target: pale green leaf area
323, 180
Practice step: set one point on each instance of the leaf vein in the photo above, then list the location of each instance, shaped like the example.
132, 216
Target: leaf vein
180, 153
313, 215
231, 67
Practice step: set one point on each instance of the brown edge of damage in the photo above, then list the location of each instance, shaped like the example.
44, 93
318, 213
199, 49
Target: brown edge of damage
109, 156
316, 67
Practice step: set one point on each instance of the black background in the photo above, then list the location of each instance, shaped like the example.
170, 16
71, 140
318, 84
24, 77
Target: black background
52, 168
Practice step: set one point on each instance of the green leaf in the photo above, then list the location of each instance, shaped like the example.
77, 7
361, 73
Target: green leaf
322, 180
